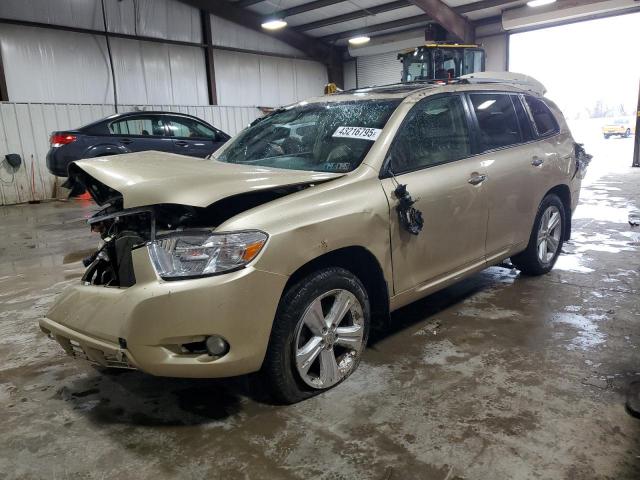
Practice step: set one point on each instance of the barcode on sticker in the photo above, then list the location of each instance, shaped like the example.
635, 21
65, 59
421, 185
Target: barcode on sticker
357, 132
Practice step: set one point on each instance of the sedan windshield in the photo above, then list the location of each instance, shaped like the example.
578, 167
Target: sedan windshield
324, 137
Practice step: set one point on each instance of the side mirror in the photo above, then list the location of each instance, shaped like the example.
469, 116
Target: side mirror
14, 160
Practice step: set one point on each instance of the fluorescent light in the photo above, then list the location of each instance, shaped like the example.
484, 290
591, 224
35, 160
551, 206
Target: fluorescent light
539, 3
360, 40
274, 24
485, 105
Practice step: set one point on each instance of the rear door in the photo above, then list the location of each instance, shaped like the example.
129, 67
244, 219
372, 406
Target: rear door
432, 156
194, 138
138, 133
506, 145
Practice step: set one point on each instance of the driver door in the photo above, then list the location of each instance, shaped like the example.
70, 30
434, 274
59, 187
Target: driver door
431, 155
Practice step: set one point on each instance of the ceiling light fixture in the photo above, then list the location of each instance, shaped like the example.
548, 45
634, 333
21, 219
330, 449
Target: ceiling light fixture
274, 24
539, 3
359, 40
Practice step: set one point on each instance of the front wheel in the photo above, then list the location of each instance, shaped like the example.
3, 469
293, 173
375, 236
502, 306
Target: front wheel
627, 133
318, 335
545, 242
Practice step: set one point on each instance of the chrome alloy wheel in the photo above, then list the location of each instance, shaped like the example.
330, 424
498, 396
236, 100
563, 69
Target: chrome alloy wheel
329, 338
549, 234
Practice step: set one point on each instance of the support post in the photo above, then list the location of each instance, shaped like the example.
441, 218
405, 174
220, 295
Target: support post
636, 137
207, 39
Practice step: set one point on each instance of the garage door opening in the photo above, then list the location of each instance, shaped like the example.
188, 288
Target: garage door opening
591, 71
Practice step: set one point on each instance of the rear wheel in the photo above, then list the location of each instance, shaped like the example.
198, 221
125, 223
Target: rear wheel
318, 336
606, 137
545, 242
627, 133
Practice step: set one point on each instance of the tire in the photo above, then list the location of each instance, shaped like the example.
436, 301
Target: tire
627, 133
281, 374
536, 259
606, 137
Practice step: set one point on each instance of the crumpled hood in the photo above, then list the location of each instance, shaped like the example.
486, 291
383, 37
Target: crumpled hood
149, 178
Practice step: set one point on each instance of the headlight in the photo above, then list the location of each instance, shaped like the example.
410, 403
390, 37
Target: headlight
198, 253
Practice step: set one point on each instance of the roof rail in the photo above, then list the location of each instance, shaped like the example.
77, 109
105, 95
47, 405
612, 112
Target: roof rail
516, 79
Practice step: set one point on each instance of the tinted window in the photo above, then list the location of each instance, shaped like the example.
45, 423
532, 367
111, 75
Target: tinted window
542, 117
497, 120
185, 127
142, 125
523, 119
335, 136
434, 132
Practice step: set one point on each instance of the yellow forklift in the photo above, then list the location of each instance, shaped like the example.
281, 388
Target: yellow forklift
441, 61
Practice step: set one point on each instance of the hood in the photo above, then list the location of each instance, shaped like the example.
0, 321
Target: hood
149, 178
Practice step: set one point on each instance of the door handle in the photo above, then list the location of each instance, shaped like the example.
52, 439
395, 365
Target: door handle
181, 143
537, 161
126, 141
477, 178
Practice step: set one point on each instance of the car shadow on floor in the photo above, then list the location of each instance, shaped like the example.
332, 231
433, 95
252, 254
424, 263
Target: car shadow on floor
138, 399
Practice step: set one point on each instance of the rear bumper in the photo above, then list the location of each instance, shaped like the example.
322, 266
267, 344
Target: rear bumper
144, 326
57, 163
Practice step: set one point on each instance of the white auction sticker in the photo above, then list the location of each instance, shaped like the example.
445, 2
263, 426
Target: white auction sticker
358, 132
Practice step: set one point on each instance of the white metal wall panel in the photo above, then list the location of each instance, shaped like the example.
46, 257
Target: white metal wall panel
381, 69
71, 13
229, 34
55, 66
148, 72
261, 80
25, 130
44, 65
168, 19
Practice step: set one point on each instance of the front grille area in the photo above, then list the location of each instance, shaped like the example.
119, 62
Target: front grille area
117, 359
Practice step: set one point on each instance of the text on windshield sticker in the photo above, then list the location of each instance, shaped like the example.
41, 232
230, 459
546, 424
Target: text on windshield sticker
357, 132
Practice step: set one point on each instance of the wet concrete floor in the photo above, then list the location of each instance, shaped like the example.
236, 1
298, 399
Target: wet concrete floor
498, 377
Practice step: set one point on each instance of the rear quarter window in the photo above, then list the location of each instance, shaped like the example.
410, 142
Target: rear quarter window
543, 119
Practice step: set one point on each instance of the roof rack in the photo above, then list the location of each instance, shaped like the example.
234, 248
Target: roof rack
519, 80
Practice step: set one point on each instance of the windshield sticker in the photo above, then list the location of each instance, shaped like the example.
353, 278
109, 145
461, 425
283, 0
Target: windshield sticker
358, 132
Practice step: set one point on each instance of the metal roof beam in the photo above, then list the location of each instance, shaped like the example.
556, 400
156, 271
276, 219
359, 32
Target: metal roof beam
471, 7
312, 47
379, 27
453, 22
385, 7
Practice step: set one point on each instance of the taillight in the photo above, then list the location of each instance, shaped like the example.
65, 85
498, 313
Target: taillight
60, 139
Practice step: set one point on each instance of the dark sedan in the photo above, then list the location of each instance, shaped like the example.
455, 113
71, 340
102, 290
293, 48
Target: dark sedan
133, 132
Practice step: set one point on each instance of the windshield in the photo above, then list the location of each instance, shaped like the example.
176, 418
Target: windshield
324, 137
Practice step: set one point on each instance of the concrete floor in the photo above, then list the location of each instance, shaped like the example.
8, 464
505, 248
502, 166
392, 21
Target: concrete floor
498, 377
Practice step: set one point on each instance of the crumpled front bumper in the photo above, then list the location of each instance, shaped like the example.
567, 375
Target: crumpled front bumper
144, 326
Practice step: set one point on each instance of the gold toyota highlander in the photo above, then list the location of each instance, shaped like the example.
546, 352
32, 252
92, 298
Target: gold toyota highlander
280, 252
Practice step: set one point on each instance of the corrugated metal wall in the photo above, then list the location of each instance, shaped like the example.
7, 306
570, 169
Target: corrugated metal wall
379, 69
25, 130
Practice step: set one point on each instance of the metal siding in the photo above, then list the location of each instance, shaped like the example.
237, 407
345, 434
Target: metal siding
25, 130
381, 69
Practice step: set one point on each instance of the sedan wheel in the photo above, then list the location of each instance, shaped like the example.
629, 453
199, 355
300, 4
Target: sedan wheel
329, 338
549, 234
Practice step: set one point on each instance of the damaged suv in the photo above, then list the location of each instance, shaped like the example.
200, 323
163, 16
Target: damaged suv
280, 252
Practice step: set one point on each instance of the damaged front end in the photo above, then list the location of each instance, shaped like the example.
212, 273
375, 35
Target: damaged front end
180, 239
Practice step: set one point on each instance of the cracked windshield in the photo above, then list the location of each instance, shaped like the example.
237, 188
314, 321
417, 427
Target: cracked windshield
324, 137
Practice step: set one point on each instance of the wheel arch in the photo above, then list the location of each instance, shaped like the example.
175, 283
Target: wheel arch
364, 265
563, 192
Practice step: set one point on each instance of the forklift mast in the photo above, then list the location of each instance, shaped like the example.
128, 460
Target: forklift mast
441, 61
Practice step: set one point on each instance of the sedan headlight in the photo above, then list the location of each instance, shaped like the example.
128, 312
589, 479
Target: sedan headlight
197, 253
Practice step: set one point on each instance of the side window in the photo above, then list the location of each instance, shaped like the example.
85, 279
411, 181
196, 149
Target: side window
187, 128
142, 125
434, 132
543, 119
523, 119
497, 121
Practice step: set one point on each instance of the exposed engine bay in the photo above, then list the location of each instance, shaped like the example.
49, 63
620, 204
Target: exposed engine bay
123, 230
